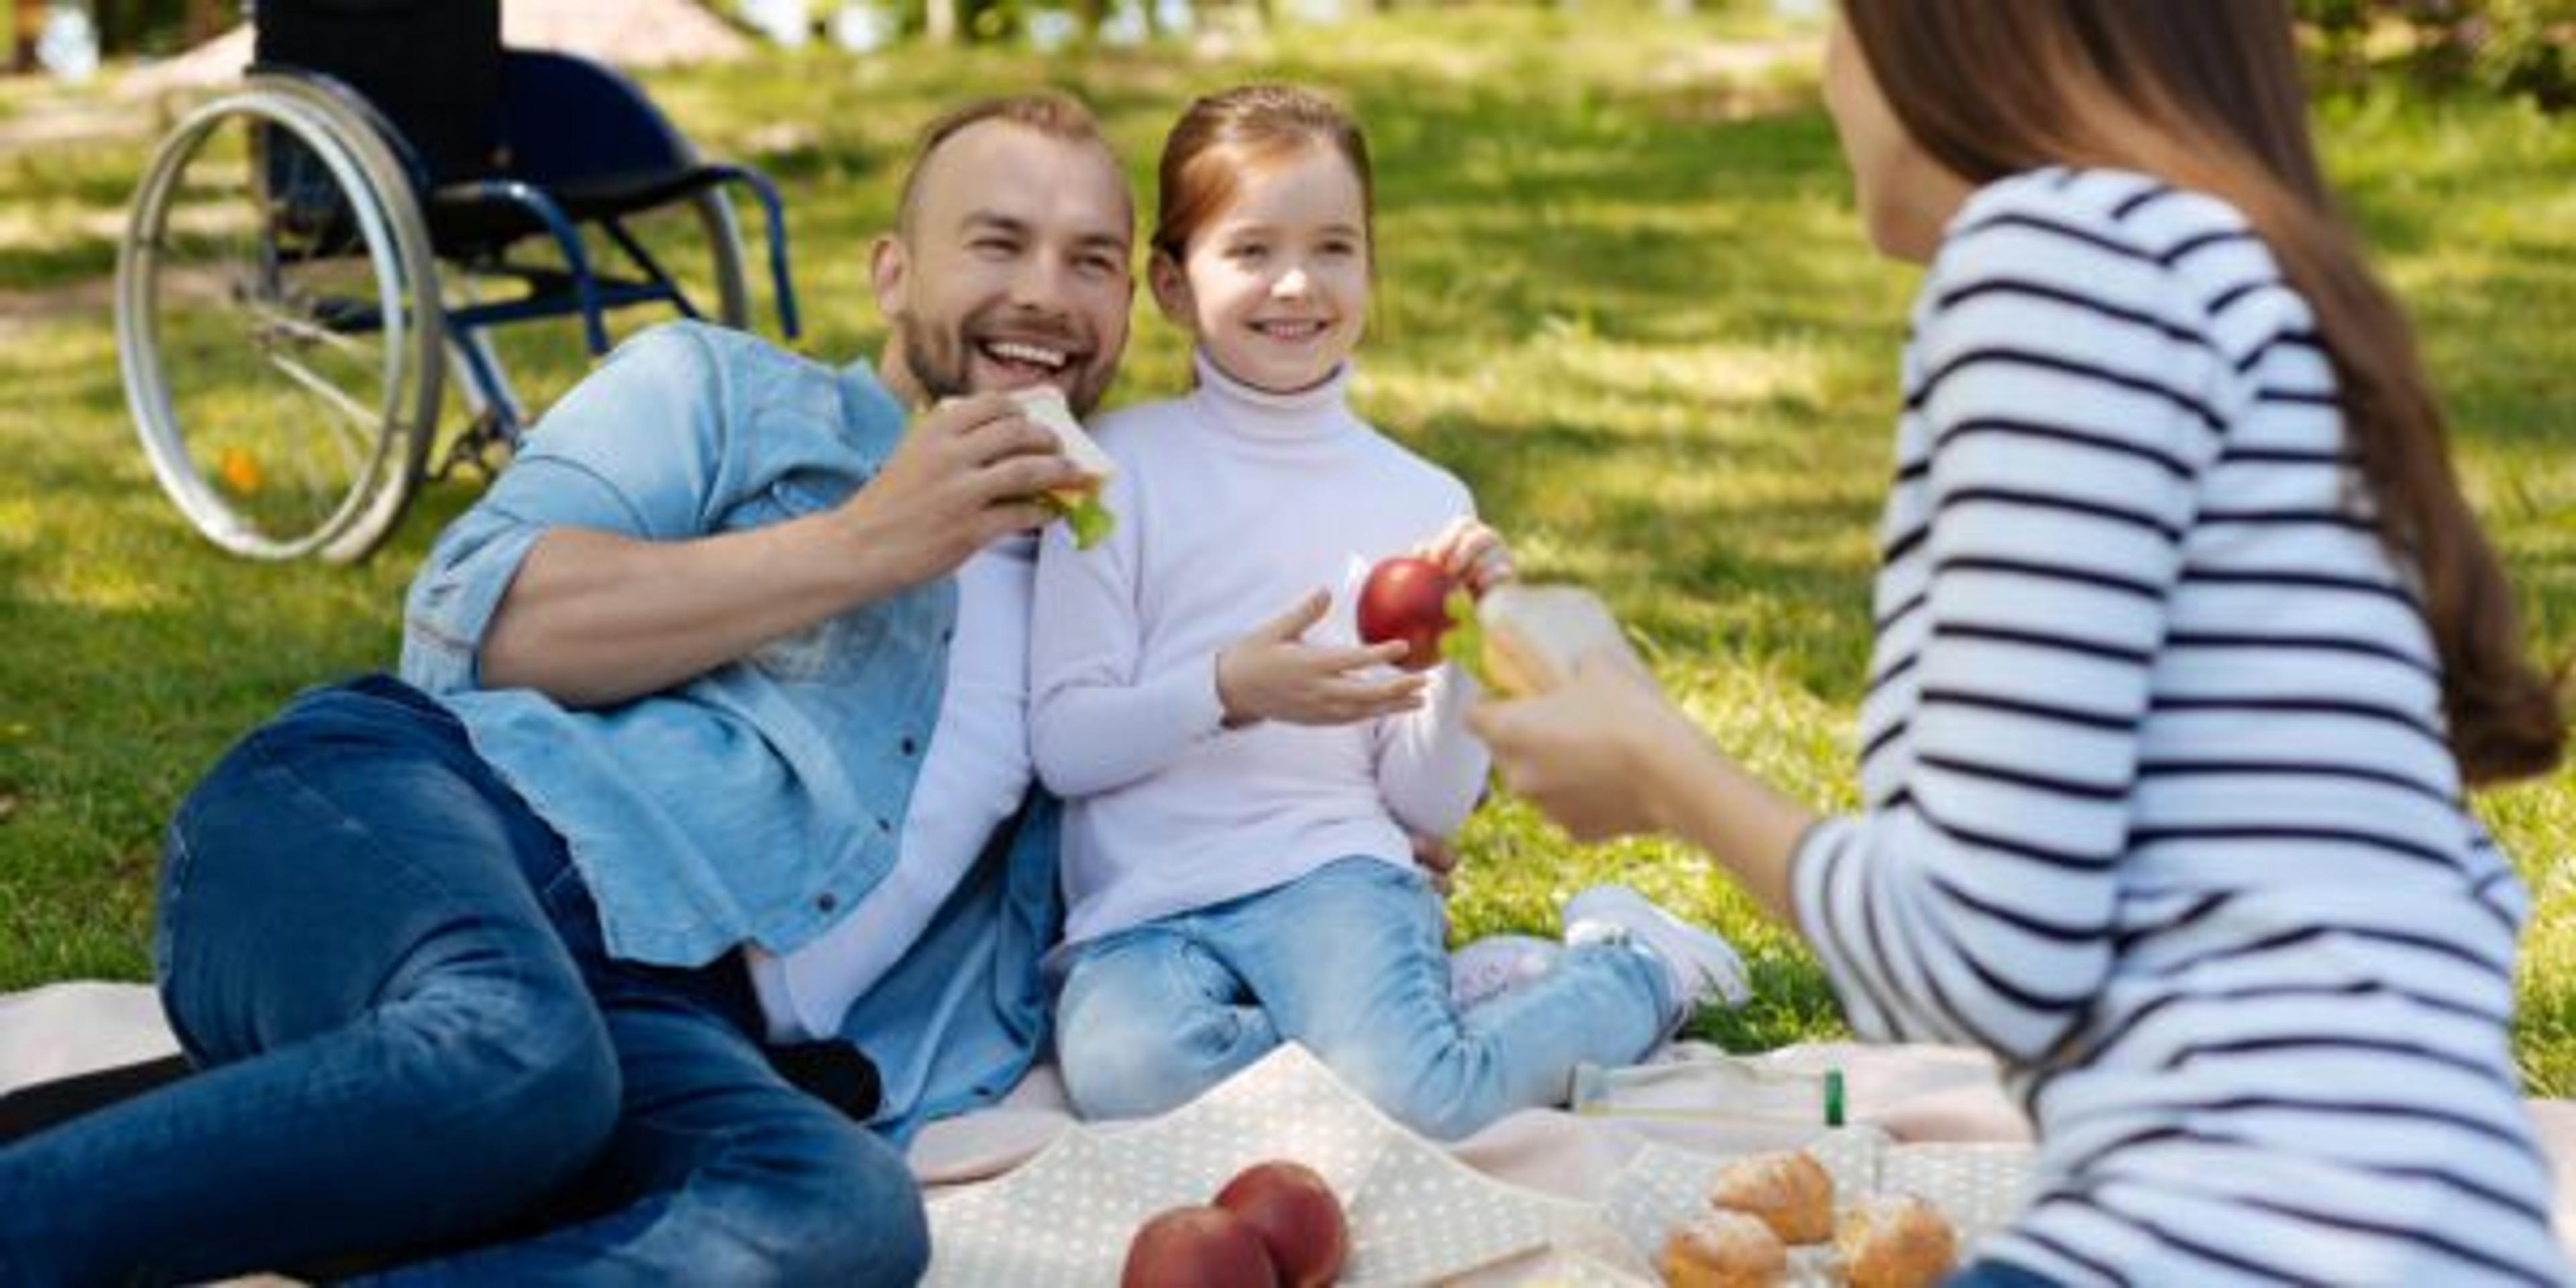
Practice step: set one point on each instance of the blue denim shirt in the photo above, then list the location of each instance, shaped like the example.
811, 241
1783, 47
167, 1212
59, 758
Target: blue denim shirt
761, 800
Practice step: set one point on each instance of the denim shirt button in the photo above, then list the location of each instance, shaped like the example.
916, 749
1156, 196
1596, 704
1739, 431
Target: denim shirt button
884, 826
826, 901
906, 746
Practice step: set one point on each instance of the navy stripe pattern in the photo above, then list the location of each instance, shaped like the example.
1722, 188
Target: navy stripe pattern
2157, 801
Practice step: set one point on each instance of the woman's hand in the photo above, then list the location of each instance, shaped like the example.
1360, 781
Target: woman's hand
1274, 674
1471, 553
1584, 753
1605, 754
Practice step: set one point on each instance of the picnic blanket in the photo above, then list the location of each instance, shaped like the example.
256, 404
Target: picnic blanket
1022, 1193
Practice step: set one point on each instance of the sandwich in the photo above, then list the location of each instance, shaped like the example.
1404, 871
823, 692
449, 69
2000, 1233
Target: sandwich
1077, 503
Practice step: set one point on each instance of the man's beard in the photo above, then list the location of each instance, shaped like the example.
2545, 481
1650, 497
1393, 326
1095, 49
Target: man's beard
940, 361
936, 359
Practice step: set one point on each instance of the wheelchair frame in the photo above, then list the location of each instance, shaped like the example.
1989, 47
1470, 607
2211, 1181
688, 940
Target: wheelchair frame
332, 184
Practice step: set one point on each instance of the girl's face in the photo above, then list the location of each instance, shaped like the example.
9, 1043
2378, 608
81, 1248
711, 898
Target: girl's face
1275, 287
1906, 198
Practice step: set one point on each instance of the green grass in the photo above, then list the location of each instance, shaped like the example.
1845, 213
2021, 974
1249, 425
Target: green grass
1623, 295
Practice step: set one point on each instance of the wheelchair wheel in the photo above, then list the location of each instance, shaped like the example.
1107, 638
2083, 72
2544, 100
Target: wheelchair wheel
278, 325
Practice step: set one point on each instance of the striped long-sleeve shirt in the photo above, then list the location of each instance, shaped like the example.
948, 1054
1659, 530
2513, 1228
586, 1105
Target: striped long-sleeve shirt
2157, 800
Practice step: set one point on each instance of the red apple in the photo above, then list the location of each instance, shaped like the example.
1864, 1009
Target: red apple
1407, 599
1197, 1247
1296, 1215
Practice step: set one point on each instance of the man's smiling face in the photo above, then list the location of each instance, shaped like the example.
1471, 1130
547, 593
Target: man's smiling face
1011, 270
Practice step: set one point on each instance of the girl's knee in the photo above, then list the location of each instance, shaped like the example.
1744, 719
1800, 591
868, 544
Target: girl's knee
1117, 1071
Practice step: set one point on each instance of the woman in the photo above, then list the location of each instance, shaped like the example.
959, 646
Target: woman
2186, 645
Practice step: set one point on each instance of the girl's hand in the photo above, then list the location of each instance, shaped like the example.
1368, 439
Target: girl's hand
1472, 553
1438, 860
1587, 752
1273, 674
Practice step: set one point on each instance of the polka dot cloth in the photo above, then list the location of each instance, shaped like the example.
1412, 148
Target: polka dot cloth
1417, 1215
1979, 1187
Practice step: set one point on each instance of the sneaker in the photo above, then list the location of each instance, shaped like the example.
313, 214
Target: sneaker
1497, 964
1700, 968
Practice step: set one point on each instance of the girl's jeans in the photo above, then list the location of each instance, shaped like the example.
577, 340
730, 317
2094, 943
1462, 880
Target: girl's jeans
1349, 961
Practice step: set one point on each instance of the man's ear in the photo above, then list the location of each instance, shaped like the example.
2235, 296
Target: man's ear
889, 274
1171, 289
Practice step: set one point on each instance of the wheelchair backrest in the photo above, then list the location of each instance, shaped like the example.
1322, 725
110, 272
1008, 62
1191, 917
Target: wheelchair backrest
433, 68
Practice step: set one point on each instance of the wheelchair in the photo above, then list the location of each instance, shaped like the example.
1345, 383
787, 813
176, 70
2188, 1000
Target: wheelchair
314, 254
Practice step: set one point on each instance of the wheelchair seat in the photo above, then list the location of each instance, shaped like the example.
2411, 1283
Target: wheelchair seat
577, 132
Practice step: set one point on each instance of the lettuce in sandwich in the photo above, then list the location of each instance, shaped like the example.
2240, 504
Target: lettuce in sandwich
1078, 503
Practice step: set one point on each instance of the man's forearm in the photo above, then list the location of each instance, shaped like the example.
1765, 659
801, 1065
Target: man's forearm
594, 618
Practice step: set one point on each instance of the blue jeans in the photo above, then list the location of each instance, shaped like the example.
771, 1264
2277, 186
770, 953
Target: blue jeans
412, 1040
1347, 960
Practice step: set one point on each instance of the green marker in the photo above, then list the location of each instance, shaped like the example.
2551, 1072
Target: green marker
1833, 1097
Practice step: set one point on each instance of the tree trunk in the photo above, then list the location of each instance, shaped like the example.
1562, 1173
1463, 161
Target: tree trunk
940, 22
27, 18
205, 20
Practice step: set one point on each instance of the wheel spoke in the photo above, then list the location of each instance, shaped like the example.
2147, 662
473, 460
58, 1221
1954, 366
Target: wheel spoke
289, 326
331, 395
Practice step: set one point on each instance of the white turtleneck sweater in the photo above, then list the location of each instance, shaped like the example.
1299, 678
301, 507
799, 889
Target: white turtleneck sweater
1232, 505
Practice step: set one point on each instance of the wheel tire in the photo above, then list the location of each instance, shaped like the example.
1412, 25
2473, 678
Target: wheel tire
320, 342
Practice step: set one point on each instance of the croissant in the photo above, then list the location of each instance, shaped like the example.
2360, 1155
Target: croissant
1723, 1249
1791, 1192
1895, 1241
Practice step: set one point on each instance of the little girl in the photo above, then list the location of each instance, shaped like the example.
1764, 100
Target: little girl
1240, 781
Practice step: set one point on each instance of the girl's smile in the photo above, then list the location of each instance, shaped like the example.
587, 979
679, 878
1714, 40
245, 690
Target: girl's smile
1275, 288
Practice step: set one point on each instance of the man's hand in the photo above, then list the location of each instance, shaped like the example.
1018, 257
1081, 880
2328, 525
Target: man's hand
1273, 674
962, 478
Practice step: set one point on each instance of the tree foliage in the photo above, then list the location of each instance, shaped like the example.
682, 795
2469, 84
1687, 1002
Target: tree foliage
2516, 47
2513, 47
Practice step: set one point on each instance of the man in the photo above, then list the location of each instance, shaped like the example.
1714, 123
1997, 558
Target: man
533, 949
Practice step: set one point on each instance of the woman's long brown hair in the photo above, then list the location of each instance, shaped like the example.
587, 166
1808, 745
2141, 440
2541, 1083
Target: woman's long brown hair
2206, 95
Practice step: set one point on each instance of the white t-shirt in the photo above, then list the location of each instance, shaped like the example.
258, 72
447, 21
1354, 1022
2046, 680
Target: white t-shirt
974, 775
1232, 505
